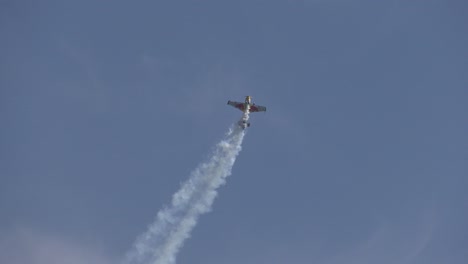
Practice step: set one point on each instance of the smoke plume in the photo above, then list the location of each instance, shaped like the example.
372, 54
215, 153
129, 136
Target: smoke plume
173, 224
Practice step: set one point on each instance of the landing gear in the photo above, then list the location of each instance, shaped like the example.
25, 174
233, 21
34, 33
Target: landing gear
244, 124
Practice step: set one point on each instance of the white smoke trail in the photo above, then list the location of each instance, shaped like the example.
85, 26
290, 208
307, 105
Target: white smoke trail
163, 239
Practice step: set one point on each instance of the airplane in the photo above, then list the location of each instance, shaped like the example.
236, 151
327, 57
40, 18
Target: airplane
246, 107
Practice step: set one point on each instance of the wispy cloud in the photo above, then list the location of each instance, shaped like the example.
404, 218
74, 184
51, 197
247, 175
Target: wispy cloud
391, 243
29, 246
85, 85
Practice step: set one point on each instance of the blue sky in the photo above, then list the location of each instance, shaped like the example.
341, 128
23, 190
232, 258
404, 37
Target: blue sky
360, 158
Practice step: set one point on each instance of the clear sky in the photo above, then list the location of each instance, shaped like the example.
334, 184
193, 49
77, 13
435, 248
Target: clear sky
106, 107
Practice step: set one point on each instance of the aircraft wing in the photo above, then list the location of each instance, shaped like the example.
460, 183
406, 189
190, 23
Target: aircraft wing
237, 105
257, 108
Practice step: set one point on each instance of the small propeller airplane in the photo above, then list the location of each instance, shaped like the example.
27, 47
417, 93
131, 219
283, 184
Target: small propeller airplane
246, 107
